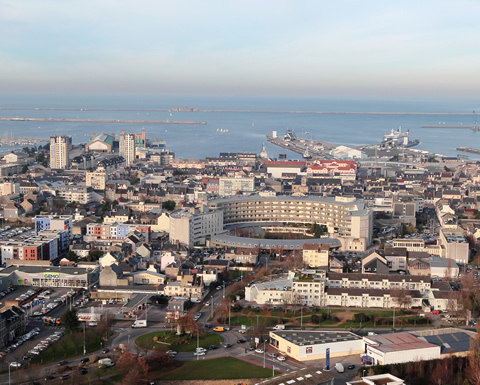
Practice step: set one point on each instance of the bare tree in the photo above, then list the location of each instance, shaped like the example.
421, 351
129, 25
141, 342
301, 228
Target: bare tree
473, 367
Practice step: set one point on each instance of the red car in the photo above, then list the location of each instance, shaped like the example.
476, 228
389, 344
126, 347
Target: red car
435, 312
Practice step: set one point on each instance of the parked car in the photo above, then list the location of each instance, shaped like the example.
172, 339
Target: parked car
241, 340
199, 353
259, 351
281, 358
350, 367
84, 360
15, 364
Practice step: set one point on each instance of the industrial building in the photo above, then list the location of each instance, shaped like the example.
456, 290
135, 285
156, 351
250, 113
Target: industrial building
309, 345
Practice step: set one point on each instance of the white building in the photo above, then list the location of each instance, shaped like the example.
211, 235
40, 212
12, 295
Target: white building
127, 147
398, 348
59, 151
347, 217
194, 228
230, 186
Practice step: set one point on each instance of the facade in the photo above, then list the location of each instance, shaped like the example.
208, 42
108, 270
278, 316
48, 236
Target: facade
49, 276
127, 147
387, 349
191, 229
315, 255
96, 180
231, 186
315, 288
347, 217
312, 345
60, 146
53, 222
78, 194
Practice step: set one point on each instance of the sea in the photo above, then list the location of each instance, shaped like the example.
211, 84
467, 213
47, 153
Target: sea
241, 123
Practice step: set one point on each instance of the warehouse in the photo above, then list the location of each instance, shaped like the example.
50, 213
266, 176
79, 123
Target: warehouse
312, 345
398, 348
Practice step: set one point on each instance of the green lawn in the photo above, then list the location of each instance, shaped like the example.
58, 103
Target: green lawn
215, 369
185, 343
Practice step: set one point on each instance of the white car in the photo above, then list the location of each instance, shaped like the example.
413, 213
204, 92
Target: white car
200, 349
199, 353
15, 364
281, 358
259, 351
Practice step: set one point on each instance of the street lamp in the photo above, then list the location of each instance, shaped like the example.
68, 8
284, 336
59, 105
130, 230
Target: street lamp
84, 346
264, 342
9, 382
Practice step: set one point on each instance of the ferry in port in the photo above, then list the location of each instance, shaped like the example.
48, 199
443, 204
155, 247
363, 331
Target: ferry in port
397, 138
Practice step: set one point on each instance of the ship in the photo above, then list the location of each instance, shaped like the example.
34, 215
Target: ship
397, 138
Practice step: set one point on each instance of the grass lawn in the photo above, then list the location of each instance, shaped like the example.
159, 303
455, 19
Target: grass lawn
215, 369
185, 343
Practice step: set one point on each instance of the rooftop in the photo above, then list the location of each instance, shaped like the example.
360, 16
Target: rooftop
310, 337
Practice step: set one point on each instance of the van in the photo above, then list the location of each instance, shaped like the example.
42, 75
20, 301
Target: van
339, 367
219, 329
279, 327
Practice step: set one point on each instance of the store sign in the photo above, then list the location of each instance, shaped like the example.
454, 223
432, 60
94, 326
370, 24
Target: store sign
309, 350
51, 275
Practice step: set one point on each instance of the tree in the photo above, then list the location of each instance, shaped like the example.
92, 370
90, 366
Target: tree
24, 168
72, 256
168, 205
134, 369
70, 320
473, 367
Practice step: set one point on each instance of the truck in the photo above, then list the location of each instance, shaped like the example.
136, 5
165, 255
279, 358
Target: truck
105, 363
339, 367
279, 327
140, 323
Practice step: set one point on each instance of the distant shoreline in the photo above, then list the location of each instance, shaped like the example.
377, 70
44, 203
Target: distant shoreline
235, 111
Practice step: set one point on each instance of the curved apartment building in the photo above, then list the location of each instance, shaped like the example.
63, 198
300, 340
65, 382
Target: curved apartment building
347, 217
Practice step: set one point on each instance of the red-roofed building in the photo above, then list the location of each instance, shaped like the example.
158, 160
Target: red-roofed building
345, 169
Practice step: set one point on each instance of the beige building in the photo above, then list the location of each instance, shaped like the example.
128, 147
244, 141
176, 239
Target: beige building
96, 180
315, 255
231, 186
191, 229
347, 217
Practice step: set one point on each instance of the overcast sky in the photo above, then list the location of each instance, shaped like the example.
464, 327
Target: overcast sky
271, 47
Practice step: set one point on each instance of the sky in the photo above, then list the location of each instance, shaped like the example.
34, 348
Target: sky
220, 47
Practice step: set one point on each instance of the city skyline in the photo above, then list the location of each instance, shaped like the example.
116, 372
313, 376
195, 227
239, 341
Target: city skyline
247, 48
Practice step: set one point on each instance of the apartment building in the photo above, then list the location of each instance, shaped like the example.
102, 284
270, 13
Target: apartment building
60, 146
231, 186
347, 217
315, 255
127, 147
193, 228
